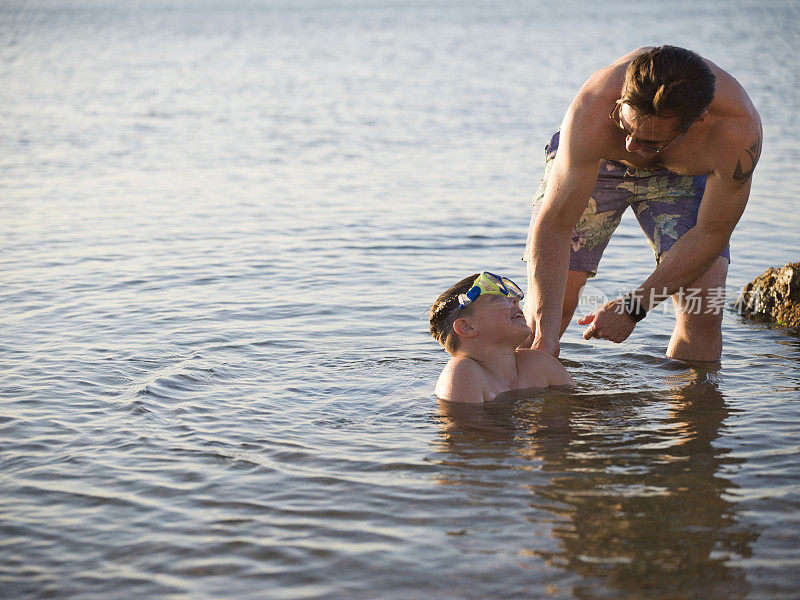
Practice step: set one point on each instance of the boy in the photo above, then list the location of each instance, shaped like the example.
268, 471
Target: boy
480, 323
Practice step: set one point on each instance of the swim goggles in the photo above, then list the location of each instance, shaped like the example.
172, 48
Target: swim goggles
489, 283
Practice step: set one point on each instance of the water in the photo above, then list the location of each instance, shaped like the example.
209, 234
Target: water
223, 223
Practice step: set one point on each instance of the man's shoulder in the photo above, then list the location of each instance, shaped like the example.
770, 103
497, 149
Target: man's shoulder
584, 127
589, 109
736, 115
625, 59
732, 132
602, 86
606, 83
735, 142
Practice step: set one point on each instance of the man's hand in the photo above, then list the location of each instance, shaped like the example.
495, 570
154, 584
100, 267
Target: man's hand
609, 322
553, 349
536, 342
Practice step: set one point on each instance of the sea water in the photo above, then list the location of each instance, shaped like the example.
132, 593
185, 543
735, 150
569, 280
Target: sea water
222, 225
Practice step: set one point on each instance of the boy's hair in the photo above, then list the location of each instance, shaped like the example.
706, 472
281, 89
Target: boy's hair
443, 313
668, 81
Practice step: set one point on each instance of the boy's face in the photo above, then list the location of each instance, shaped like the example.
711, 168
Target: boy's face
500, 314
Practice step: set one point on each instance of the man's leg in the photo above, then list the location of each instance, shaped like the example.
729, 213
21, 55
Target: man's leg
698, 316
666, 207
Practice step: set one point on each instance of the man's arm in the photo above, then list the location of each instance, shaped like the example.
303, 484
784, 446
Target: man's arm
726, 194
692, 255
572, 179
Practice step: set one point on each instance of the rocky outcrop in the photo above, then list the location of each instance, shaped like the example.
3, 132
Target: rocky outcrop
773, 296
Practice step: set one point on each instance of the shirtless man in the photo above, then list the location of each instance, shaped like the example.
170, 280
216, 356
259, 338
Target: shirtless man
675, 137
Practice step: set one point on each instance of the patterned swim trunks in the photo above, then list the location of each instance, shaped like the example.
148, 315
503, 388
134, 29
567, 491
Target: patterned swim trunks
665, 204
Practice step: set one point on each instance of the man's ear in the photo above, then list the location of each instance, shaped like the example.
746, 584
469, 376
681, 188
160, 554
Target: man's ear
701, 118
463, 328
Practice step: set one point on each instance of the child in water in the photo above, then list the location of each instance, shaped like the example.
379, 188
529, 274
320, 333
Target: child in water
480, 323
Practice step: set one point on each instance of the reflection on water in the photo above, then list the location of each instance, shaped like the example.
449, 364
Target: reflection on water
634, 491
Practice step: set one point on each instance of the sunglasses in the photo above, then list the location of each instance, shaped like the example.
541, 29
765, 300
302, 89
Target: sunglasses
648, 145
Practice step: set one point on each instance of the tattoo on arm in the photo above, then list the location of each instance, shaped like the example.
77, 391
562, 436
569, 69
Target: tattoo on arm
754, 151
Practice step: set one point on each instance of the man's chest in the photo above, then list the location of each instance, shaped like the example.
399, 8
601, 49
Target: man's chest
682, 161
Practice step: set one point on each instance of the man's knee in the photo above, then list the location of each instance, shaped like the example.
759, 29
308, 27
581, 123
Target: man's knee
701, 304
700, 322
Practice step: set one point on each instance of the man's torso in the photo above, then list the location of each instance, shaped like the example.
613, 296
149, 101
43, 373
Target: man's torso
698, 152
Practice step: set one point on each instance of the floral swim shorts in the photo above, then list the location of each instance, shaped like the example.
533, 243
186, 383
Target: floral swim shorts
665, 205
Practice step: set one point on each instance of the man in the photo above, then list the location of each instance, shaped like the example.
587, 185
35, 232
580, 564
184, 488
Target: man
675, 137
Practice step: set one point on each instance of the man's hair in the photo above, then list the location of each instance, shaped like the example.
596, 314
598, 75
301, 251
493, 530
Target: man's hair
668, 81
443, 313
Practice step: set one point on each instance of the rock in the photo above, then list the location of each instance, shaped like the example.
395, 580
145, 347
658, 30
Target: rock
773, 296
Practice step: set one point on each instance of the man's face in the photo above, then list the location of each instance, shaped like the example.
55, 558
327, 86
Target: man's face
648, 136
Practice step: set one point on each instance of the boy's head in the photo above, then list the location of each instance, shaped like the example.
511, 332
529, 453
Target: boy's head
496, 300
443, 313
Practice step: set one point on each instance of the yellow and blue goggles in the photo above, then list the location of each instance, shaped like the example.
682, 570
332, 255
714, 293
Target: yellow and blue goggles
490, 284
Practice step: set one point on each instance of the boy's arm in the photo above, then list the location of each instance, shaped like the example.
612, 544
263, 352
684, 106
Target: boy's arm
460, 381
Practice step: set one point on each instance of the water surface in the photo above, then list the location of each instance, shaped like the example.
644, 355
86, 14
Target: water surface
222, 226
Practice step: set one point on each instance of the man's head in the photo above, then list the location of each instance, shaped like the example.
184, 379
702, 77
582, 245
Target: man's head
668, 81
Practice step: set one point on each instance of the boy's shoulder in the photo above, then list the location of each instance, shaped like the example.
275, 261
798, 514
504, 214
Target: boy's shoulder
461, 380
541, 368
530, 356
